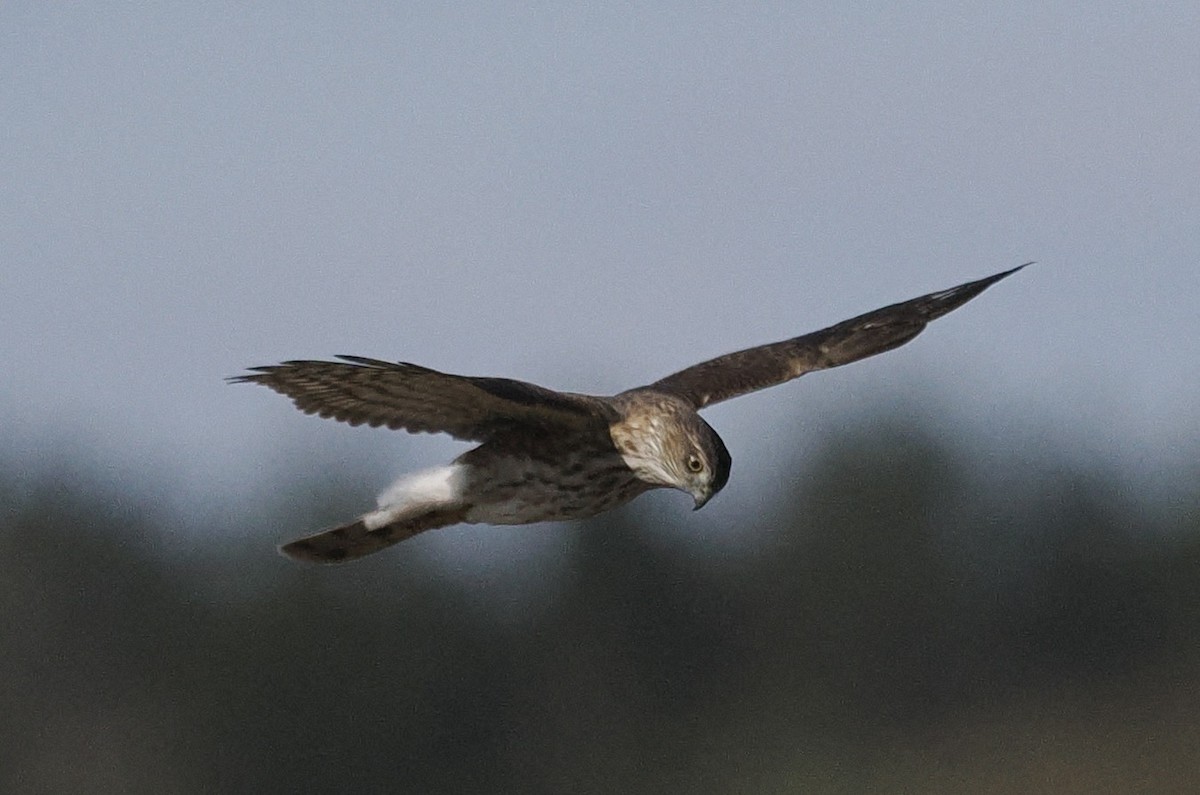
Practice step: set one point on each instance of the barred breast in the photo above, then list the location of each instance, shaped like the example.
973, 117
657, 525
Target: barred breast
557, 482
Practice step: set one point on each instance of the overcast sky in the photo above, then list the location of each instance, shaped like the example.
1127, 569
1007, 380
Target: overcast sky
591, 198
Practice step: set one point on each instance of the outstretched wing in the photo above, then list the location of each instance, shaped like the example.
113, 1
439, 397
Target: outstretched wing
866, 335
420, 400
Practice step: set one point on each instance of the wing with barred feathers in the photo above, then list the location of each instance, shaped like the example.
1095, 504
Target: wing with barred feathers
866, 335
399, 395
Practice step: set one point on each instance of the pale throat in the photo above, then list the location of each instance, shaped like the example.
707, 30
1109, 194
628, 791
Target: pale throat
640, 441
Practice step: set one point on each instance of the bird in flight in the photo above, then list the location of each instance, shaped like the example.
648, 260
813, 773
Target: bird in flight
554, 456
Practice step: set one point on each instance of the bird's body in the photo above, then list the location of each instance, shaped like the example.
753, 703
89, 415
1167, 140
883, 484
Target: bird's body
569, 477
513, 478
555, 456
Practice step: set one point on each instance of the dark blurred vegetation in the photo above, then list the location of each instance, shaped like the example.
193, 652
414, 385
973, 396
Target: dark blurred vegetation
920, 618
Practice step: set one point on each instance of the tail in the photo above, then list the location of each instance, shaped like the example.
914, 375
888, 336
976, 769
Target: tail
415, 503
355, 540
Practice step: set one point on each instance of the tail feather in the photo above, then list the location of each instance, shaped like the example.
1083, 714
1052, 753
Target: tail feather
356, 540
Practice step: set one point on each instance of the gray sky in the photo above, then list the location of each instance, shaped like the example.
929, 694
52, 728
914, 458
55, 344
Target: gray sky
590, 199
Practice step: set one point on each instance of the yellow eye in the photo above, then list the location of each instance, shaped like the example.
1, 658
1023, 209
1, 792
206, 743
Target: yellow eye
694, 464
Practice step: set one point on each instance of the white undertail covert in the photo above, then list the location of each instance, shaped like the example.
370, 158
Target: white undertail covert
418, 492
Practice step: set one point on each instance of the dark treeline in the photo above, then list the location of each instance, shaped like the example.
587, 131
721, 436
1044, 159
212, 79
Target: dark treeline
920, 618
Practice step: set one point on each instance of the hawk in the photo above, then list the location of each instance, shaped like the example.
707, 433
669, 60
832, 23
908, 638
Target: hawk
552, 456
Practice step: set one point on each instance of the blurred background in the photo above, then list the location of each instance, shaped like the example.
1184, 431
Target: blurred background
969, 565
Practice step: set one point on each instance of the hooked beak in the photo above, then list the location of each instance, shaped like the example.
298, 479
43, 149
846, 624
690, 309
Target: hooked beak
701, 497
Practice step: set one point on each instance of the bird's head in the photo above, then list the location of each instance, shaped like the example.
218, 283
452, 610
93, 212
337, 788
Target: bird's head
703, 462
676, 449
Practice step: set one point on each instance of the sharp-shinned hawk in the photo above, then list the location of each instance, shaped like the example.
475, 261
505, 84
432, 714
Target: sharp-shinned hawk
549, 456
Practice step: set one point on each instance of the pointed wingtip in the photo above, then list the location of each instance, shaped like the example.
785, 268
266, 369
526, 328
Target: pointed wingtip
253, 375
943, 302
988, 281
